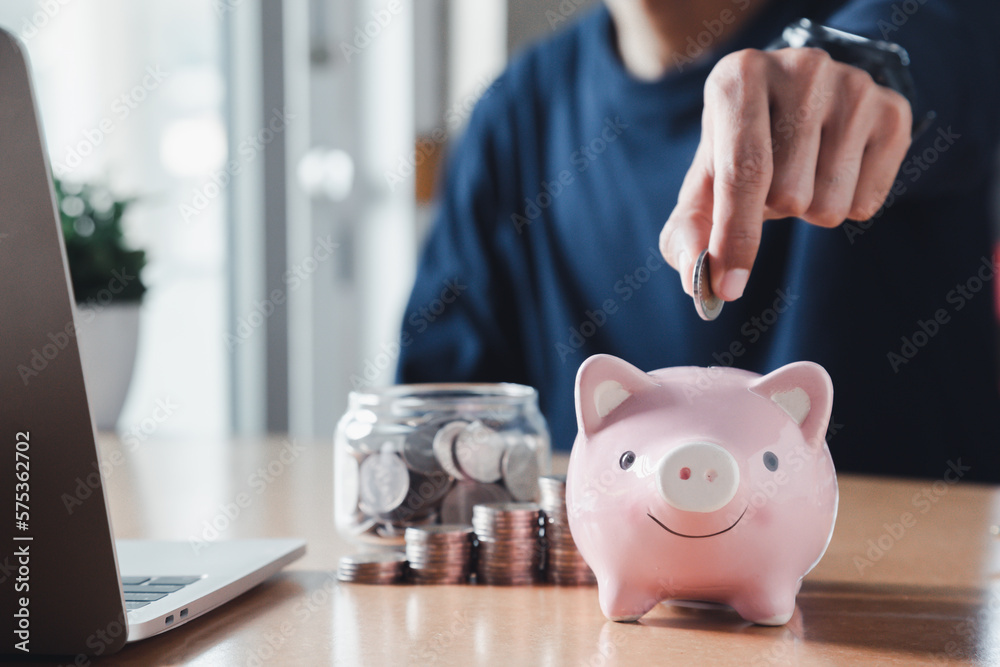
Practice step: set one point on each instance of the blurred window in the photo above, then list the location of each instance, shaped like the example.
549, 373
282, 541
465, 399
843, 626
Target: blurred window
132, 95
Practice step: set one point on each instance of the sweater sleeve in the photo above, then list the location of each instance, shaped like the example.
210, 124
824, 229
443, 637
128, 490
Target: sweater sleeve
460, 323
955, 62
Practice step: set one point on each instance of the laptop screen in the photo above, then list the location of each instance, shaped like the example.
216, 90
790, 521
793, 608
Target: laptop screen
58, 581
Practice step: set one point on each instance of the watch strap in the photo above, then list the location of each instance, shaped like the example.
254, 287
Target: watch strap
886, 62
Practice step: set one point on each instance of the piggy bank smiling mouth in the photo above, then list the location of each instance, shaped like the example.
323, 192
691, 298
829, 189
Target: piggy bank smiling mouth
674, 532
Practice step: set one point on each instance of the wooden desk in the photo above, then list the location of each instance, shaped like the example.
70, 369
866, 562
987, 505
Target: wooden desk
926, 595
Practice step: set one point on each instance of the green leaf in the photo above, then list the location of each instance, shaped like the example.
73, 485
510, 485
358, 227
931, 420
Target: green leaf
101, 267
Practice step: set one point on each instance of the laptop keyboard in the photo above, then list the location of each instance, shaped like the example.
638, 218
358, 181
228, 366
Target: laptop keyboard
140, 591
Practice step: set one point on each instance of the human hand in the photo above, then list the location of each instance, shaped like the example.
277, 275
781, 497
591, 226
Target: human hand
787, 133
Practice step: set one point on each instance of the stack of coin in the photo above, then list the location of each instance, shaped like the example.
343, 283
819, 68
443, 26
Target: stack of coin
510, 549
440, 554
375, 568
564, 565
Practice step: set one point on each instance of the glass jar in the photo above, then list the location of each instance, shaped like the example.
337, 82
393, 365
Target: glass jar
411, 455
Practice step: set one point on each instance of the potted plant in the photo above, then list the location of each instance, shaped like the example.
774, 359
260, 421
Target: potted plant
108, 287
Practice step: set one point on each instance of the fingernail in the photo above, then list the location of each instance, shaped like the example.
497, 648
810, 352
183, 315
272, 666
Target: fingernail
684, 268
733, 284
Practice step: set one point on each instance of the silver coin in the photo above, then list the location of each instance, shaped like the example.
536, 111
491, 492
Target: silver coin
444, 447
418, 449
384, 481
431, 488
520, 472
707, 304
423, 497
478, 451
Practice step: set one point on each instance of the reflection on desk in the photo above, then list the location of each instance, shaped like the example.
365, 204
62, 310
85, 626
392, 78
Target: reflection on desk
909, 579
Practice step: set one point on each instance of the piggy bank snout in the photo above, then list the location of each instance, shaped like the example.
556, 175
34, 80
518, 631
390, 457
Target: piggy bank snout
698, 477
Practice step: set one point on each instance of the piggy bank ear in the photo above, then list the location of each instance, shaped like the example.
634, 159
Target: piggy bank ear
603, 383
805, 392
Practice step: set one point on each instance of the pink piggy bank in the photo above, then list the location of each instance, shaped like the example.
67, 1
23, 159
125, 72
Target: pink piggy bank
711, 484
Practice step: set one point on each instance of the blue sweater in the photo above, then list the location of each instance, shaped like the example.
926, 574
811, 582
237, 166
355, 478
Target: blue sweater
545, 243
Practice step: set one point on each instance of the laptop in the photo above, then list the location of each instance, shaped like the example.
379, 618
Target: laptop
66, 586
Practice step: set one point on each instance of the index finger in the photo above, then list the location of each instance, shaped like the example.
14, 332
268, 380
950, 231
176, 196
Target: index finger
742, 169
687, 230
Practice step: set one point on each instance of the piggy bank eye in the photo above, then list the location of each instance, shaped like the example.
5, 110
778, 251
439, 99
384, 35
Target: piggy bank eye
626, 461
770, 461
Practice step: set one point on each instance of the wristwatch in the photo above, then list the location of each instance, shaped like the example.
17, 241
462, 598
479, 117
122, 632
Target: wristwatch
887, 63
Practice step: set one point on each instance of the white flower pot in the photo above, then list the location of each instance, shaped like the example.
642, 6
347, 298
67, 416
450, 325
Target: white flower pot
108, 338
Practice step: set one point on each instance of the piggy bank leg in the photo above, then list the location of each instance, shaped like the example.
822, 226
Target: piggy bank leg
766, 607
623, 602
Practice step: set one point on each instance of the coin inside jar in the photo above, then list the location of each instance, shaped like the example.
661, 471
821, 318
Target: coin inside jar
422, 498
478, 451
705, 302
444, 447
520, 471
383, 482
418, 449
